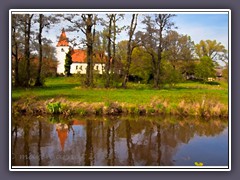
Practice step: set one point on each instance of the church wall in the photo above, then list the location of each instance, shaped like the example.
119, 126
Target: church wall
82, 67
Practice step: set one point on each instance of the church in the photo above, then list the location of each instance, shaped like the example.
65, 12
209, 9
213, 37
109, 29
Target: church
79, 58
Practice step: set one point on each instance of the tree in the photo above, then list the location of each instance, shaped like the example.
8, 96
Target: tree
16, 42
130, 47
109, 35
153, 40
68, 62
178, 47
169, 74
27, 36
109, 42
44, 21
225, 73
205, 69
212, 49
116, 30
179, 51
86, 24
38, 81
141, 65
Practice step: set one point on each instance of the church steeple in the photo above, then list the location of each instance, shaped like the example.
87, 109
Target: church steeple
63, 41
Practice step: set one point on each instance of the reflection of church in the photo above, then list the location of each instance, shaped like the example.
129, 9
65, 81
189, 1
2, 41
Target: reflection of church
64, 129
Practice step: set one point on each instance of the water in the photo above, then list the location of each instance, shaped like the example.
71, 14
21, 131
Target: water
118, 141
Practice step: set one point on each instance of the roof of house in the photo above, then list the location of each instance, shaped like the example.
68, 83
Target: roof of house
79, 56
63, 41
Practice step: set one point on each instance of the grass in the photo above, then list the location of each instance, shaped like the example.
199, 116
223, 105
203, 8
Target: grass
134, 98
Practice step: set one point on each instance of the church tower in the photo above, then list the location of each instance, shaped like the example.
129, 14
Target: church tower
62, 49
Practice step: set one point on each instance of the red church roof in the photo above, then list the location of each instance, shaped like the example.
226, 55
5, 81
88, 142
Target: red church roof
79, 56
63, 41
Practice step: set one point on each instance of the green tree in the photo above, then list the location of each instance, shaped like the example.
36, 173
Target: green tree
169, 74
68, 62
130, 47
141, 64
153, 40
205, 69
212, 49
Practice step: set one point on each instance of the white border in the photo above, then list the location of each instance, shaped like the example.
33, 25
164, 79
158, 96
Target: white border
122, 168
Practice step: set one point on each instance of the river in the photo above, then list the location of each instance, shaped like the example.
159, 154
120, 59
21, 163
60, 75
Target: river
118, 141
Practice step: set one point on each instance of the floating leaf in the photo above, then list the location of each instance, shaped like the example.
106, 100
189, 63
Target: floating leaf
198, 164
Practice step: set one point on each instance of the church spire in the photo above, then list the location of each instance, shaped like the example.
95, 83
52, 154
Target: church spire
63, 41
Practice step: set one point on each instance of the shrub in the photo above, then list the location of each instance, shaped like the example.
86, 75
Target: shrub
54, 108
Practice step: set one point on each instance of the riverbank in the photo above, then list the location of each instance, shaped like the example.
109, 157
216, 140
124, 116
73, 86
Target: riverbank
205, 108
66, 96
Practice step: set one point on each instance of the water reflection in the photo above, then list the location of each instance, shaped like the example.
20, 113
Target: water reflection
121, 141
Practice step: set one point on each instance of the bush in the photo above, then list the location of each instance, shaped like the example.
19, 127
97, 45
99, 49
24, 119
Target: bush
54, 108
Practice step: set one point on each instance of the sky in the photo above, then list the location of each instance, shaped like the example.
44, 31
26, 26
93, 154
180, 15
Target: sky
210, 25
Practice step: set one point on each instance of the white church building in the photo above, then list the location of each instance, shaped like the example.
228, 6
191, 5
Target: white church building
79, 58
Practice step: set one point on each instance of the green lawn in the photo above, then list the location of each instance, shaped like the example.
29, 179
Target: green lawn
69, 88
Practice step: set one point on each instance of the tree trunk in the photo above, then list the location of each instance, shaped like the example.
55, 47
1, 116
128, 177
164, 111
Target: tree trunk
129, 59
38, 79
109, 52
89, 75
114, 45
129, 50
159, 60
27, 31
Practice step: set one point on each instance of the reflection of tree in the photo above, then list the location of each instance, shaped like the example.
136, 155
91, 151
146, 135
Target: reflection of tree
39, 143
89, 153
14, 138
26, 144
129, 144
108, 146
145, 141
111, 145
159, 152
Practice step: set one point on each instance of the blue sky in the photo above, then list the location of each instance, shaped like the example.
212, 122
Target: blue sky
204, 26
213, 26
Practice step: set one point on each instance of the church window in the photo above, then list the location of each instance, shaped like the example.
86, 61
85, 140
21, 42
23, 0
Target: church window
62, 50
76, 67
